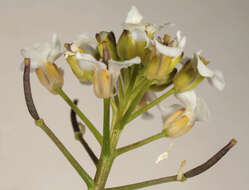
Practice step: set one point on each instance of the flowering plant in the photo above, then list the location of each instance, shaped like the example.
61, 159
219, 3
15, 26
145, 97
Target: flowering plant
126, 74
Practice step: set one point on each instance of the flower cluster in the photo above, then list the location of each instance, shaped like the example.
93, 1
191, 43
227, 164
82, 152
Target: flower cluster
138, 64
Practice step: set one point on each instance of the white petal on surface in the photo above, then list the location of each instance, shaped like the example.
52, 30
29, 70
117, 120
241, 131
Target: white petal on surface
202, 68
164, 155
88, 62
217, 80
202, 111
166, 111
188, 99
166, 50
133, 17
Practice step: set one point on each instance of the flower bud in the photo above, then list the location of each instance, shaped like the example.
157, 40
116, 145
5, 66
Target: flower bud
188, 77
165, 84
158, 66
128, 48
50, 77
106, 40
102, 83
83, 75
177, 124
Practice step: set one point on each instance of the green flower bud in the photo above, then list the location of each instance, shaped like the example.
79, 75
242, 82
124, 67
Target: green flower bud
106, 40
188, 77
83, 75
158, 67
128, 48
165, 84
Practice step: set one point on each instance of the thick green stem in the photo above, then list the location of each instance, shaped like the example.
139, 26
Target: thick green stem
88, 123
139, 143
152, 104
88, 180
106, 127
105, 162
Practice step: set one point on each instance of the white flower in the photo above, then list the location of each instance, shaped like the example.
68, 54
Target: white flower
42, 53
139, 30
179, 119
215, 77
104, 75
83, 42
172, 51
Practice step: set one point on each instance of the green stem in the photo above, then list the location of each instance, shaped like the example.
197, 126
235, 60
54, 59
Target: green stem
152, 104
88, 180
105, 162
88, 123
134, 102
145, 183
139, 143
106, 126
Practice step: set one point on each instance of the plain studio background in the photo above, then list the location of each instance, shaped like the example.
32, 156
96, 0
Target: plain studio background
28, 159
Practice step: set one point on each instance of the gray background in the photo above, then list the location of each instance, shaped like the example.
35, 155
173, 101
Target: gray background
29, 161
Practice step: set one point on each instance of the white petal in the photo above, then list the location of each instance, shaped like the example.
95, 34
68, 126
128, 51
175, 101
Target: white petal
56, 44
139, 36
162, 156
166, 50
116, 66
202, 112
88, 62
188, 99
167, 111
86, 42
217, 80
202, 68
133, 17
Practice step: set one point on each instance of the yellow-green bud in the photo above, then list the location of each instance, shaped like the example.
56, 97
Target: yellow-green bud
81, 74
165, 84
128, 48
188, 77
177, 124
50, 76
106, 40
158, 66
102, 83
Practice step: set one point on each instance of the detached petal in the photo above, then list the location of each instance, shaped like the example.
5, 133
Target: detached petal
88, 62
188, 99
217, 80
134, 16
166, 50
